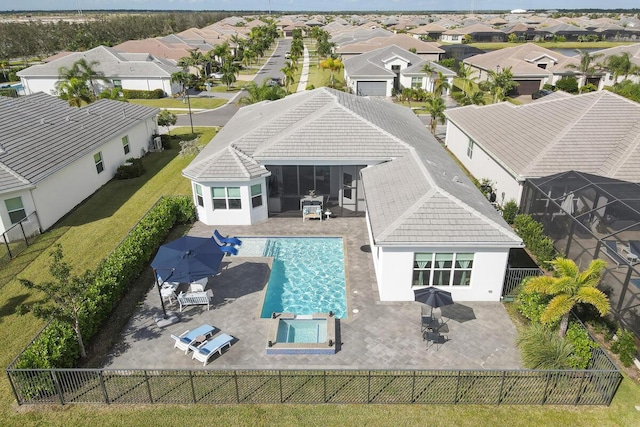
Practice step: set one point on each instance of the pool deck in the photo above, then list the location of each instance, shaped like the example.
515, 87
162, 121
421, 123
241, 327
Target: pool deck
375, 335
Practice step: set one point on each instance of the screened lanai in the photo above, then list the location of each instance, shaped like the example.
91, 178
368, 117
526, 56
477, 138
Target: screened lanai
589, 217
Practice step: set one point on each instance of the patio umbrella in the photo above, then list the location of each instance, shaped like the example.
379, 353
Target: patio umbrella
433, 297
186, 260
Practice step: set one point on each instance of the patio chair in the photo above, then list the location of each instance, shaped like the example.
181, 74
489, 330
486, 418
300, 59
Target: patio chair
611, 250
631, 255
226, 240
228, 250
208, 348
184, 340
435, 338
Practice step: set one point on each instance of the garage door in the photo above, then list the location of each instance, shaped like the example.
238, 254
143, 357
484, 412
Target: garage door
372, 88
527, 87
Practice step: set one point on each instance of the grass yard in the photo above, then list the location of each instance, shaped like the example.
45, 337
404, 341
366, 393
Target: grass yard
169, 103
235, 87
319, 77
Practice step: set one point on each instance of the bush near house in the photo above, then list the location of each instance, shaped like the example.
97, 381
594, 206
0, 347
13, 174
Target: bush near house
143, 94
568, 84
532, 233
56, 346
132, 169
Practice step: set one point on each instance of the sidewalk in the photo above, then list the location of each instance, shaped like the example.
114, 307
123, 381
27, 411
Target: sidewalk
304, 76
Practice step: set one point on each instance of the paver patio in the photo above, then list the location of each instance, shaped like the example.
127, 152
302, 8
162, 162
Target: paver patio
375, 335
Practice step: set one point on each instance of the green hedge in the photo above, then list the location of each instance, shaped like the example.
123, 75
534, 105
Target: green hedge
56, 346
143, 94
532, 234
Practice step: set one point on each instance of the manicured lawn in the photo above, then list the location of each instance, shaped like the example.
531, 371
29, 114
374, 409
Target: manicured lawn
169, 103
319, 77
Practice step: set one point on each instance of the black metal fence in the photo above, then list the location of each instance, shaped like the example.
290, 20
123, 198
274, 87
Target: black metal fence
18, 237
595, 386
514, 276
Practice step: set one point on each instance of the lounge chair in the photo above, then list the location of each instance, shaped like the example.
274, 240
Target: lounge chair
184, 340
226, 240
208, 348
631, 254
228, 250
611, 250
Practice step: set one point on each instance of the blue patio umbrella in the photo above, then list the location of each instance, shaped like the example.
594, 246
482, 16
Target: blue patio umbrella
433, 297
186, 260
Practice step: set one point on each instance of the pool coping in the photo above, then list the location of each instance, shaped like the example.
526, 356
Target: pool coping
327, 347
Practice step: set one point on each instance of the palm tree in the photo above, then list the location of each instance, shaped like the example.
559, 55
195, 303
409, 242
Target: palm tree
332, 65
289, 71
619, 65
74, 91
183, 78
83, 71
229, 71
260, 93
435, 107
474, 98
569, 287
499, 83
440, 84
586, 66
222, 52
465, 73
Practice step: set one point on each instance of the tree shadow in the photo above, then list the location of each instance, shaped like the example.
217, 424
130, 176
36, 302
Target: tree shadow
11, 304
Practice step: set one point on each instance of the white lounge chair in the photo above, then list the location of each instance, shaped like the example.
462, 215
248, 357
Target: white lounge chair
186, 339
208, 348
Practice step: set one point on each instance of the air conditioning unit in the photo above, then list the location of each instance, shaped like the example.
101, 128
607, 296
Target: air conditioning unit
157, 143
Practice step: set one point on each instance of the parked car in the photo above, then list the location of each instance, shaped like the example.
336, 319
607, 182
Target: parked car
275, 81
539, 94
215, 75
287, 55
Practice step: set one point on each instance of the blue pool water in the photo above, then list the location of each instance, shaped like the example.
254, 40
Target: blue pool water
302, 331
307, 275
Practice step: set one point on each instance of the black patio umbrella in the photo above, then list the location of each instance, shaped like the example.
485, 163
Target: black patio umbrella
433, 297
186, 260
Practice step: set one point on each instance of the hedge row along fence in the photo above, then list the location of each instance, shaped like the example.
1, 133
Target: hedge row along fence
56, 345
532, 233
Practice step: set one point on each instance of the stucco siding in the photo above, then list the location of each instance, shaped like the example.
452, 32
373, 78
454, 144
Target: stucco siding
482, 165
487, 276
247, 215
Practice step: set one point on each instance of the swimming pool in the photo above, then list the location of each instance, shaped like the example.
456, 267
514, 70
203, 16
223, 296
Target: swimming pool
299, 331
307, 275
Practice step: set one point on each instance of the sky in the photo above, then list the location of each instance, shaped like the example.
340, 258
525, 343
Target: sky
314, 5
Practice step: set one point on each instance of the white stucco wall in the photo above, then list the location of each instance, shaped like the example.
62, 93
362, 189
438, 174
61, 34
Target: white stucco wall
62, 191
487, 277
245, 216
27, 204
48, 85
482, 165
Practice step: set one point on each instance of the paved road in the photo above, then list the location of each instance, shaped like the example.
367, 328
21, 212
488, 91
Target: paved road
220, 116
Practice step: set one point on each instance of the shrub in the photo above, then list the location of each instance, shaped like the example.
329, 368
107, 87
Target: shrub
132, 169
582, 344
510, 210
567, 84
166, 141
532, 234
143, 94
56, 346
625, 347
532, 304
542, 348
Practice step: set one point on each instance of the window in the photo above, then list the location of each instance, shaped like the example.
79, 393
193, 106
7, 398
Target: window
470, 149
416, 82
226, 197
455, 38
125, 144
117, 83
199, 198
442, 269
15, 209
256, 195
97, 158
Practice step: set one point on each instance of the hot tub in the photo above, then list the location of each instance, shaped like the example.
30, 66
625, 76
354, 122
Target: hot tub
302, 334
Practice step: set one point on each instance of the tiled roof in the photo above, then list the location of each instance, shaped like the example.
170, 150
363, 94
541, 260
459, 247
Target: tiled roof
404, 41
111, 62
43, 134
414, 190
597, 133
521, 60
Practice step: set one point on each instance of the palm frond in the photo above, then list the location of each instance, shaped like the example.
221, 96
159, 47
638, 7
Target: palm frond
540, 284
596, 298
565, 267
557, 307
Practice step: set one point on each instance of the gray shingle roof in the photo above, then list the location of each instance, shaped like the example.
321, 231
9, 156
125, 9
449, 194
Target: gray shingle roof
372, 63
43, 134
416, 195
597, 133
111, 62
